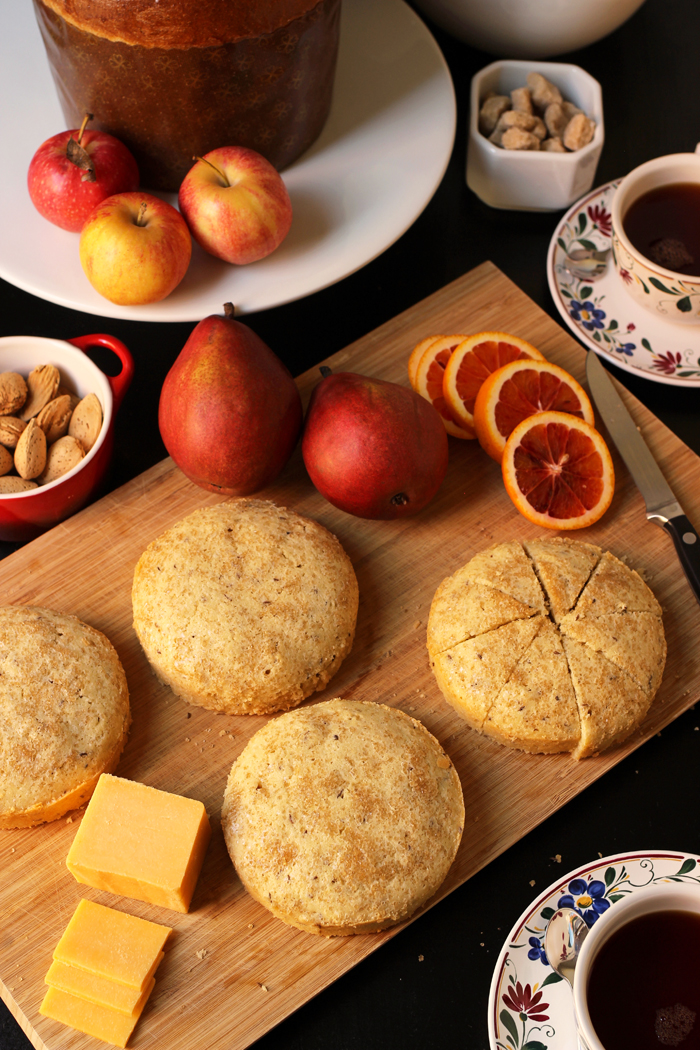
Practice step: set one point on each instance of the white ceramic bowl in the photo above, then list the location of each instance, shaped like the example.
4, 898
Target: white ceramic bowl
525, 180
529, 28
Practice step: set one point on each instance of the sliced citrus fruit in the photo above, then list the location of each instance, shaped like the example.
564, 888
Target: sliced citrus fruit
519, 389
558, 471
473, 361
416, 354
428, 381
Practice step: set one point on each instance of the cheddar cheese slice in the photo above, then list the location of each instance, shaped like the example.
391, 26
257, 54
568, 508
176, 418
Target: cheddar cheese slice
112, 944
100, 1021
97, 989
140, 842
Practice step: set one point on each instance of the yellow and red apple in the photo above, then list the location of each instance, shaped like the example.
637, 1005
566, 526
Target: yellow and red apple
235, 204
135, 248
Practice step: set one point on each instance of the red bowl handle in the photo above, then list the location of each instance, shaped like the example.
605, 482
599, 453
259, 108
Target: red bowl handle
120, 383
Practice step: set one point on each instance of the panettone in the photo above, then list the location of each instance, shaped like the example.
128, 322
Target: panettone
549, 645
174, 79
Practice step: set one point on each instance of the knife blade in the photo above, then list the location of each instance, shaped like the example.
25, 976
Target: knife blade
663, 508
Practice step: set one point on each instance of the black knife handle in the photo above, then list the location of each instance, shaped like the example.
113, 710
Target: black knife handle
687, 544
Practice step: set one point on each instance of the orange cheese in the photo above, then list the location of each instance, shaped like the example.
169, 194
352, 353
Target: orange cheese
141, 842
112, 944
99, 1021
97, 989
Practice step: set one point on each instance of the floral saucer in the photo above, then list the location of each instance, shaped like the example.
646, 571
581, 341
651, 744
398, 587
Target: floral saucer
530, 1006
602, 314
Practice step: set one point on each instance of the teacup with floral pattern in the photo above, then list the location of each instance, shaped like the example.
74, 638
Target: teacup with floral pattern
673, 296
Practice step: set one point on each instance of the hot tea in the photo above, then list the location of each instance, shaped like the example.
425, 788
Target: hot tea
644, 985
664, 225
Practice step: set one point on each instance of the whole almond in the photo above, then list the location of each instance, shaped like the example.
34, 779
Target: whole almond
11, 483
61, 457
86, 421
55, 417
42, 383
11, 428
6, 460
30, 454
13, 392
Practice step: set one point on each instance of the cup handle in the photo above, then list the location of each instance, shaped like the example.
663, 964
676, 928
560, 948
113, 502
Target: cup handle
119, 383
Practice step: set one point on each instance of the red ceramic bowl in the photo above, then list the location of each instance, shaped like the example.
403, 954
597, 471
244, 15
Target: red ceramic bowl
24, 515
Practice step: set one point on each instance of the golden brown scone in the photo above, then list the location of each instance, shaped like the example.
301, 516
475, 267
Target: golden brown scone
343, 817
64, 713
245, 607
579, 676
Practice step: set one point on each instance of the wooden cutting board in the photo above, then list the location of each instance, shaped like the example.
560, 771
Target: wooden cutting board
233, 971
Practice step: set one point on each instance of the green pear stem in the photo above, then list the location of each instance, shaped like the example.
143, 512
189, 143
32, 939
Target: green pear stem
217, 170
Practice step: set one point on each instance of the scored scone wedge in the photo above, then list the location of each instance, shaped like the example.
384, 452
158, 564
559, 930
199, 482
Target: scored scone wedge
342, 817
577, 676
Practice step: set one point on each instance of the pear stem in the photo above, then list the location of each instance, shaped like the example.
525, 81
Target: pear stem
218, 171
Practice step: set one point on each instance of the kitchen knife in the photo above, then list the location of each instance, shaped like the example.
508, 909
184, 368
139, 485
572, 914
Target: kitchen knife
662, 506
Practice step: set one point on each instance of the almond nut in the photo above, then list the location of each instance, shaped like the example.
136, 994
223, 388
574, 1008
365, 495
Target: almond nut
42, 383
30, 454
11, 483
61, 457
13, 392
6, 460
74, 399
11, 430
55, 417
86, 421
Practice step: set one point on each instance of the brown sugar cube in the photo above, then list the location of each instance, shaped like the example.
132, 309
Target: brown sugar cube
542, 90
517, 138
555, 119
553, 145
490, 112
579, 132
521, 99
570, 109
513, 118
539, 129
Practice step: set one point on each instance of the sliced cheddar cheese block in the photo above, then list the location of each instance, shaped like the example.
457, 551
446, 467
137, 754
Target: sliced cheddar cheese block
100, 1021
98, 989
140, 842
112, 944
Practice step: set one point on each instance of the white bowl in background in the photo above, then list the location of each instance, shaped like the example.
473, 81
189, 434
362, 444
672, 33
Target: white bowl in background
529, 28
532, 180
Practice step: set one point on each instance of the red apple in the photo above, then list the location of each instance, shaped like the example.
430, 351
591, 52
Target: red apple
135, 248
235, 204
72, 172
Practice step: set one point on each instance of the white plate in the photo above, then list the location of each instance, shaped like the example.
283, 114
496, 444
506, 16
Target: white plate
602, 314
367, 178
530, 1006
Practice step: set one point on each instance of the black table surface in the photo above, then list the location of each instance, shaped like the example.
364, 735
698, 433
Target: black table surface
428, 987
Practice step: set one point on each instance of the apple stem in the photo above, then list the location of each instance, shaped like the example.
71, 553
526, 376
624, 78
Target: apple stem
140, 221
229, 310
86, 119
325, 371
217, 170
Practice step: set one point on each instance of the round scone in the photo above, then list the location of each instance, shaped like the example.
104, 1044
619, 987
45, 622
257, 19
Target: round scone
343, 817
548, 645
245, 607
64, 713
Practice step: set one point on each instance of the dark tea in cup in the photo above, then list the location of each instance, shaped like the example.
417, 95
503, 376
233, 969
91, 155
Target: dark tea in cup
663, 224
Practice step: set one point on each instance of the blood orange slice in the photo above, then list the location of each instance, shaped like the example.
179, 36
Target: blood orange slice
558, 471
518, 390
428, 381
473, 361
416, 354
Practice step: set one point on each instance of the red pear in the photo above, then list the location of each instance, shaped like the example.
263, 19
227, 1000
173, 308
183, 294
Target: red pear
372, 448
230, 412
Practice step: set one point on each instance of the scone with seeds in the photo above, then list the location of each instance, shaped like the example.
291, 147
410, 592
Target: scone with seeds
549, 645
343, 817
64, 713
245, 607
